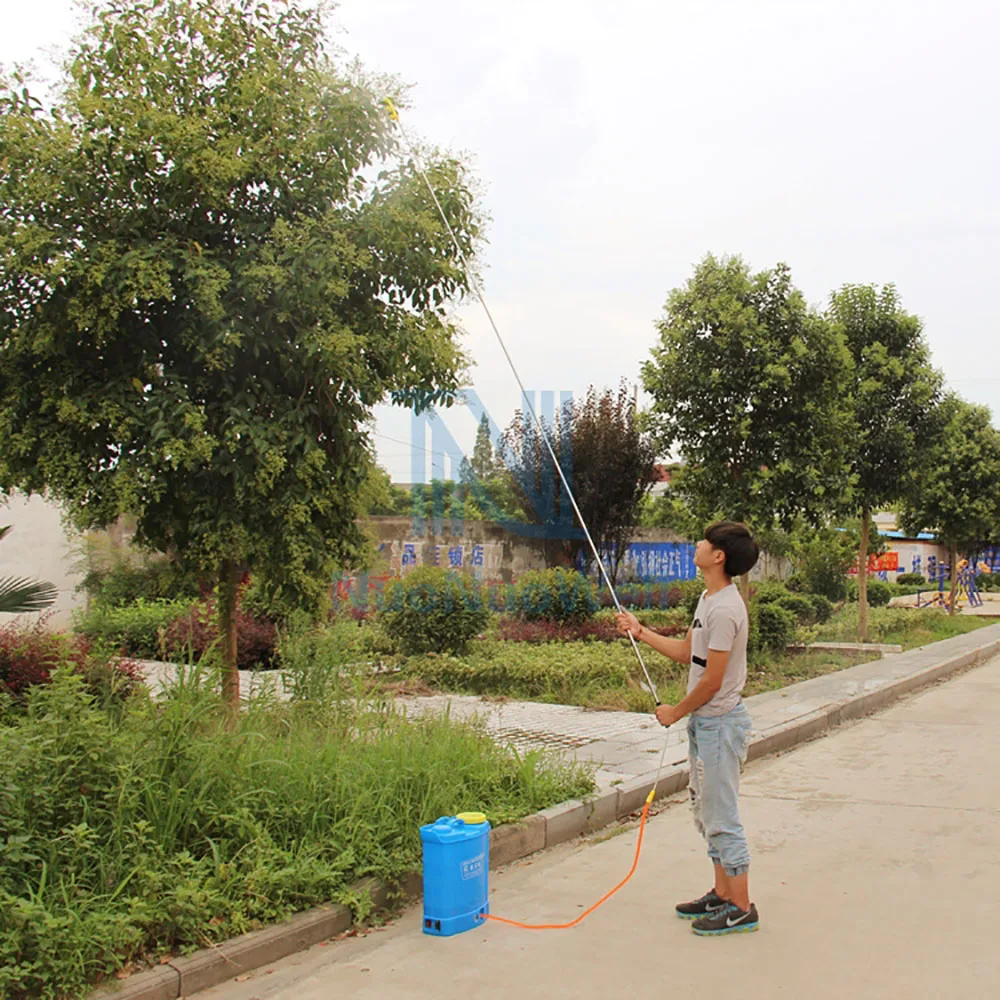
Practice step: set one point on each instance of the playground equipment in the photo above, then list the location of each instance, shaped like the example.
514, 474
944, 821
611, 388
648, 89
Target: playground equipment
965, 589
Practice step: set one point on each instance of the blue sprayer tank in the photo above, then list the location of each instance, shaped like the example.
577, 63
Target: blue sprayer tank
456, 868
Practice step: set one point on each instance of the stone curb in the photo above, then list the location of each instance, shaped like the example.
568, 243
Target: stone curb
182, 977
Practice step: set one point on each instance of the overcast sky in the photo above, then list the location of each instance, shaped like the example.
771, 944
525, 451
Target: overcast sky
617, 143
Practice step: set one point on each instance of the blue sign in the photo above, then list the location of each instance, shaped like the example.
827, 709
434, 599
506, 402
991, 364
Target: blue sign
657, 562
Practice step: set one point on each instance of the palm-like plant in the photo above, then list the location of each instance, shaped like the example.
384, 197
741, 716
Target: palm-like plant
20, 595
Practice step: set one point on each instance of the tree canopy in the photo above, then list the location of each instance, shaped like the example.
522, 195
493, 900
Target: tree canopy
749, 386
210, 273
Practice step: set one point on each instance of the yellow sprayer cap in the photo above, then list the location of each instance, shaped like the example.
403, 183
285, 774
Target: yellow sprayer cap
471, 818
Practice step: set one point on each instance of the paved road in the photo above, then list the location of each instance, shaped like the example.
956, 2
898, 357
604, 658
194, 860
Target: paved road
876, 874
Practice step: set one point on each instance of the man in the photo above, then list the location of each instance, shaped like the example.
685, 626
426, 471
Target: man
719, 728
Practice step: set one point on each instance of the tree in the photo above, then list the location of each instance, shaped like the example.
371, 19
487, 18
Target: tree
958, 496
483, 464
20, 596
206, 286
894, 396
609, 463
749, 384
487, 488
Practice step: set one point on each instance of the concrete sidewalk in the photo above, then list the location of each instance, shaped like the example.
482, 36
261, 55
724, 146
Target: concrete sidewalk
874, 871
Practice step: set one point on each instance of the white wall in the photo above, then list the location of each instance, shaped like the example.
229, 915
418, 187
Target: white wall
38, 547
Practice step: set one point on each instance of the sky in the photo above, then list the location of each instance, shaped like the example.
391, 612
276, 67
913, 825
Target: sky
616, 144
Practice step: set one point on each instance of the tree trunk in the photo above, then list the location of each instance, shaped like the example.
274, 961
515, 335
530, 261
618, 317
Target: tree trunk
954, 579
744, 586
863, 577
229, 580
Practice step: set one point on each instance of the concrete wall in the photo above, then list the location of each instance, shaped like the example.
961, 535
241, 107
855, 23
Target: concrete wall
38, 547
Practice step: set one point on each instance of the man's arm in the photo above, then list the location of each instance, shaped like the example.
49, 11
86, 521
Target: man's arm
676, 649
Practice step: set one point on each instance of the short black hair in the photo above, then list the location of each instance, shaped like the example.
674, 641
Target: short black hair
735, 540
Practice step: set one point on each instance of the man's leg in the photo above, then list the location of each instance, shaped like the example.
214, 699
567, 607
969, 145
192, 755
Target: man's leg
723, 753
722, 884
739, 891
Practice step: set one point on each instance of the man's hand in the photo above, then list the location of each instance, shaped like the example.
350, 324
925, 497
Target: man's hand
627, 622
666, 715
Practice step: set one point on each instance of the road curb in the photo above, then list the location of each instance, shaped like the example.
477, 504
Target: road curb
182, 977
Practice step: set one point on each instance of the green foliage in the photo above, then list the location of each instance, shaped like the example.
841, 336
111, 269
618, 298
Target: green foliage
138, 629
559, 595
800, 605
168, 827
432, 609
894, 393
822, 607
126, 582
911, 579
690, 594
769, 591
908, 627
775, 627
958, 497
894, 390
879, 593
749, 383
208, 284
822, 558
670, 512
595, 674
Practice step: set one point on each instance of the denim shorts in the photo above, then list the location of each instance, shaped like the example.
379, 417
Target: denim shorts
717, 751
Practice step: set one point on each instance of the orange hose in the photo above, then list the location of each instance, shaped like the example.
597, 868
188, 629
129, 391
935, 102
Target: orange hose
603, 899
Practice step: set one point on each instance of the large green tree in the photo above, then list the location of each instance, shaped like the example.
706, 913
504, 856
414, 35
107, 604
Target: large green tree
894, 394
749, 385
958, 495
209, 275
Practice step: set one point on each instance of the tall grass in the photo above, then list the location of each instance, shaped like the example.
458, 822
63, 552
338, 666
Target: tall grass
907, 627
158, 827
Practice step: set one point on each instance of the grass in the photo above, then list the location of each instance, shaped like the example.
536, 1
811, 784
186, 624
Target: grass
159, 827
906, 627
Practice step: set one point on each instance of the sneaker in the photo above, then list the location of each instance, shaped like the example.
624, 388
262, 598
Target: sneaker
708, 904
729, 920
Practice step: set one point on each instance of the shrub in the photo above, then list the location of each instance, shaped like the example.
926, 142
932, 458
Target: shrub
770, 592
30, 655
126, 583
775, 627
911, 579
823, 560
641, 595
259, 600
822, 607
690, 594
879, 593
136, 630
191, 635
559, 595
434, 610
800, 605
601, 630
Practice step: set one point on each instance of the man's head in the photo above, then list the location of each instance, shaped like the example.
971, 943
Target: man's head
729, 545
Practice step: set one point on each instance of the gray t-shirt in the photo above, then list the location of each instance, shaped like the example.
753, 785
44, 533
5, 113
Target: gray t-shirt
720, 623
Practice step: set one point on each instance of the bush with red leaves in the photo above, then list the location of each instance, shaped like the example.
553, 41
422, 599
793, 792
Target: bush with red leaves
30, 654
517, 630
644, 595
196, 631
